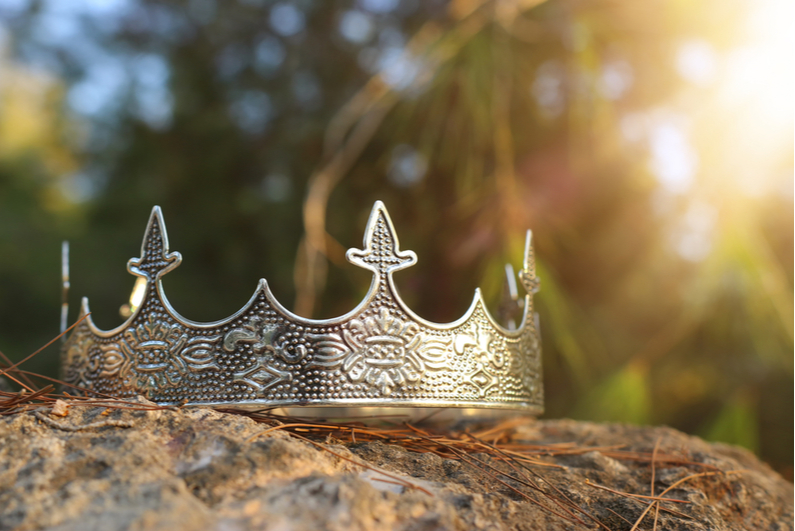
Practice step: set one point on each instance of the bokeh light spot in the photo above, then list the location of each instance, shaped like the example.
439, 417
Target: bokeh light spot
380, 6
269, 55
356, 27
407, 166
548, 88
697, 62
252, 110
276, 187
286, 19
673, 159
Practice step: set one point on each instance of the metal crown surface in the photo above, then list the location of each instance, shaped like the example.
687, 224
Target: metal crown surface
380, 354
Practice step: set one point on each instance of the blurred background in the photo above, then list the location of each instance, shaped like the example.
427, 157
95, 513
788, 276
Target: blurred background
649, 145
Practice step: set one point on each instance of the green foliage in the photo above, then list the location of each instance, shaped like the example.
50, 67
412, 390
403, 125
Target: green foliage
622, 397
736, 423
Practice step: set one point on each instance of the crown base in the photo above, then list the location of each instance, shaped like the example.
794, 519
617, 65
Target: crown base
401, 411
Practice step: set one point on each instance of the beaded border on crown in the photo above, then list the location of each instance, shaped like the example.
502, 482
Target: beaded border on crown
380, 354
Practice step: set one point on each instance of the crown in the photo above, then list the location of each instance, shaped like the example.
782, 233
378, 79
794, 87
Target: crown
380, 354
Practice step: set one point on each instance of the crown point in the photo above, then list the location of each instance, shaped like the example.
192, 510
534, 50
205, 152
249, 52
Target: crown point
381, 253
84, 307
527, 275
529, 258
478, 298
155, 260
263, 288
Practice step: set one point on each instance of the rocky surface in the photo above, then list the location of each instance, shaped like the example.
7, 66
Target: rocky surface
90, 468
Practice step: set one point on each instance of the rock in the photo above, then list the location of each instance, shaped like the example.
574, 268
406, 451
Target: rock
198, 469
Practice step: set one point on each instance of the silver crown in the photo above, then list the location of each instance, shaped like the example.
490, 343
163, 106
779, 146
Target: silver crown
381, 354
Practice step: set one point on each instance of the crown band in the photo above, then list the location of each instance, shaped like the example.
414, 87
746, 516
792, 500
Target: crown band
378, 355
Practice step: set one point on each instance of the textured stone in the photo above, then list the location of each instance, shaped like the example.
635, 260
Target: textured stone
198, 469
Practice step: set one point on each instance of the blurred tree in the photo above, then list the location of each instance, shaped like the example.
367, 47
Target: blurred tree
657, 183
34, 155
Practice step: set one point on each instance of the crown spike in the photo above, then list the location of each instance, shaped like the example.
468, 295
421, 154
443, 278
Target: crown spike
381, 253
527, 275
84, 310
155, 260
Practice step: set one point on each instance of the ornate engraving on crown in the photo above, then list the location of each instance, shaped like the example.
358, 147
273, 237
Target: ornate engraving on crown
81, 359
262, 375
488, 358
153, 356
155, 260
381, 253
383, 351
527, 359
200, 354
147, 358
